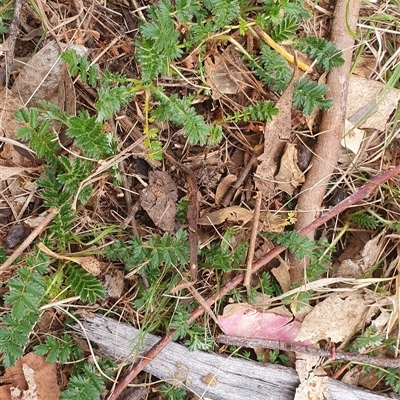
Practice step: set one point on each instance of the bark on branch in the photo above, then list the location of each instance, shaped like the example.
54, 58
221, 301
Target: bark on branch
331, 128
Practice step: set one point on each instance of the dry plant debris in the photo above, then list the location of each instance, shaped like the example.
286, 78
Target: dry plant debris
176, 165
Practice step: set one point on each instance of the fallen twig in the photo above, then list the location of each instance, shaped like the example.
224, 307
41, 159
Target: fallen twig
326, 151
11, 40
304, 349
252, 244
361, 193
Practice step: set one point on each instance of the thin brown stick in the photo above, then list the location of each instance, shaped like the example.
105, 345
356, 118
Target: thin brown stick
242, 176
252, 244
361, 193
12, 38
304, 349
34, 234
332, 124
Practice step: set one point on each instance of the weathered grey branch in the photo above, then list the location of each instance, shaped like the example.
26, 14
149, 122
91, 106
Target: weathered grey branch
209, 375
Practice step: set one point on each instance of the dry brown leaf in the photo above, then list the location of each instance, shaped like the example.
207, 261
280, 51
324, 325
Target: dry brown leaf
223, 187
335, 319
276, 134
11, 153
159, 198
221, 75
32, 379
359, 265
89, 263
46, 77
361, 92
114, 283
289, 176
281, 274
272, 222
31, 392
8, 172
312, 388
365, 66
234, 214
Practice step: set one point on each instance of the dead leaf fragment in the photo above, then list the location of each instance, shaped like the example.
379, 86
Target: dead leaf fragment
335, 319
224, 186
159, 198
353, 137
11, 154
222, 75
46, 77
360, 264
31, 392
89, 263
276, 134
114, 283
289, 176
361, 92
234, 214
32, 379
209, 379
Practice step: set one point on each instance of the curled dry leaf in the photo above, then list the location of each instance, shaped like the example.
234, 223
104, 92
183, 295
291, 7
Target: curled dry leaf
359, 265
289, 176
224, 186
353, 137
8, 172
12, 154
88, 263
234, 214
276, 135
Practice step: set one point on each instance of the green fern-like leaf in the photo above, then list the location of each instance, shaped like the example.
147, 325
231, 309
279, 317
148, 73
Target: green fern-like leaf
80, 66
285, 29
75, 172
275, 10
225, 11
324, 53
86, 286
111, 100
308, 94
89, 136
180, 112
84, 384
272, 69
301, 246
159, 44
187, 9
365, 220
59, 350
262, 111
26, 295
149, 60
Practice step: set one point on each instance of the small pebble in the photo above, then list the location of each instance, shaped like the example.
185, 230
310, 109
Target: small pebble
15, 236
